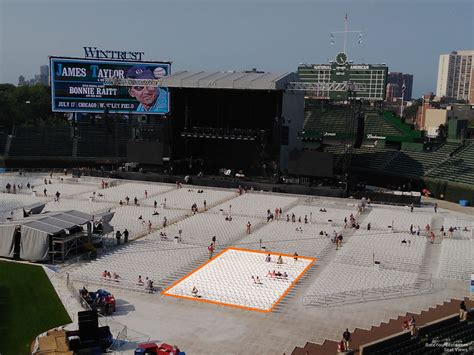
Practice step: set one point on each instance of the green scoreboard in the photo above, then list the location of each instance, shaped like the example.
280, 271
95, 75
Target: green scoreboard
373, 76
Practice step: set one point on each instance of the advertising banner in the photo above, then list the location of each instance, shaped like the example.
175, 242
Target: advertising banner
94, 86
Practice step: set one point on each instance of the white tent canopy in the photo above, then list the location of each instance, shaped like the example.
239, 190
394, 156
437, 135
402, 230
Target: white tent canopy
36, 229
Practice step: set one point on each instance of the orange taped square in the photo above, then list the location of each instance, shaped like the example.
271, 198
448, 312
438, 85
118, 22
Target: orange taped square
242, 278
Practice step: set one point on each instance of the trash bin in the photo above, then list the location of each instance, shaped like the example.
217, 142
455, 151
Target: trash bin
176, 240
464, 202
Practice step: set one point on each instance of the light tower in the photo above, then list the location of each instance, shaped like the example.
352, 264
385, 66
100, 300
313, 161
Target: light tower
345, 33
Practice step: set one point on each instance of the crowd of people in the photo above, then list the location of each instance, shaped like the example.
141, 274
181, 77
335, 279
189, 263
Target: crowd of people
107, 276
13, 188
147, 284
118, 236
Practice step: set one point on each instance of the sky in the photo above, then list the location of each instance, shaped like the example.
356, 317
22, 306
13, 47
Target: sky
213, 35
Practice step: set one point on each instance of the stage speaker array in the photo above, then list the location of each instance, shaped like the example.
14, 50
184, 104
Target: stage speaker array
88, 325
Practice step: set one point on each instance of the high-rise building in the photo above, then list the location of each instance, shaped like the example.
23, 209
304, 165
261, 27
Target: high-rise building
399, 79
44, 75
392, 93
41, 78
21, 80
456, 76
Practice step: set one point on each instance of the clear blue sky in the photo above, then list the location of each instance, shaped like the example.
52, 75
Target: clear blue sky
271, 35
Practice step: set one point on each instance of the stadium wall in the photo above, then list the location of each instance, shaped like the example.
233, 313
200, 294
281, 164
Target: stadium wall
440, 189
445, 190
221, 182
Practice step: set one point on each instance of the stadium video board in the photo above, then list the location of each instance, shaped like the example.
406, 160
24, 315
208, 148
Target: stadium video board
94, 86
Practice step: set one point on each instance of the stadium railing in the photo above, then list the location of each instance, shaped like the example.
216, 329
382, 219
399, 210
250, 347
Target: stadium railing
365, 295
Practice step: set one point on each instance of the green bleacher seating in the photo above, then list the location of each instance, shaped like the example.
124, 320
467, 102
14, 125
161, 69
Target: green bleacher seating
332, 119
365, 157
450, 330
372, 158
3, 141
42, 142
458, 168
411, 163
99, 141
377, 125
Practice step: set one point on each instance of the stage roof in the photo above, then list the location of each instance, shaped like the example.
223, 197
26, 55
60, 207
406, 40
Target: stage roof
54, 222
250, 80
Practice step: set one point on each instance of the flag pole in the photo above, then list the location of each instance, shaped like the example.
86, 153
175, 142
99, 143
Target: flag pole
403, 96
345, 33
401, 108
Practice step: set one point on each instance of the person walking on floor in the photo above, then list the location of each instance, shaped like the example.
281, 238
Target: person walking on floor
462, 311
118, 235
125, 236
211, 249
412, 325
347, 339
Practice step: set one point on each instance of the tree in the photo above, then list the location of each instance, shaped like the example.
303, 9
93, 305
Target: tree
442, 132
410, 111
25, 105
